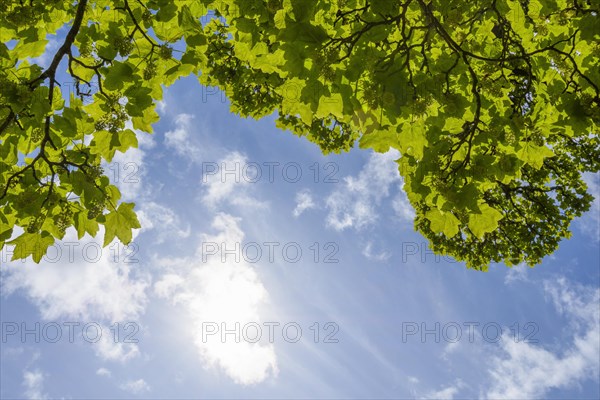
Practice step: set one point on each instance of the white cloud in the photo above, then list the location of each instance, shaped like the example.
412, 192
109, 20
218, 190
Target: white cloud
83, 283
376, 256
353, 205
516, 273
161, 106
449, 349
103, 372
304, 201
447, 393
109, 349
34, 385
232, 187
136, 387
98, 287
224, 293
527, 370
12, 351
163, 220
403, 208
167, 285
179, 139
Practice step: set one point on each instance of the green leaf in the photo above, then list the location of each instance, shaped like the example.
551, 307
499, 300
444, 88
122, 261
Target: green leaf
119, 223
533, 154
6, 230
380, 140
85, 225
117, 75
333, 105
107, 143
443, 222
485, 221
31, 244
412, 139
31, 49
144, 123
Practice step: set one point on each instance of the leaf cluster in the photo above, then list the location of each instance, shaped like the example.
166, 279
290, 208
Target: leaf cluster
494, 105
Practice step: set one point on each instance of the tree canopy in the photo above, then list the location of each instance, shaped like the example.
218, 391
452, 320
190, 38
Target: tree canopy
494, 105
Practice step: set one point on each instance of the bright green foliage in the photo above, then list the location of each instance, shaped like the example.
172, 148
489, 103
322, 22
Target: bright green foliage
494, 105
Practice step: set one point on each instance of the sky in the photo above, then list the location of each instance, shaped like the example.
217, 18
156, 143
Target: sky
264, 269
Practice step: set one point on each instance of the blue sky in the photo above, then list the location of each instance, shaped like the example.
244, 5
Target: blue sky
365, 282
